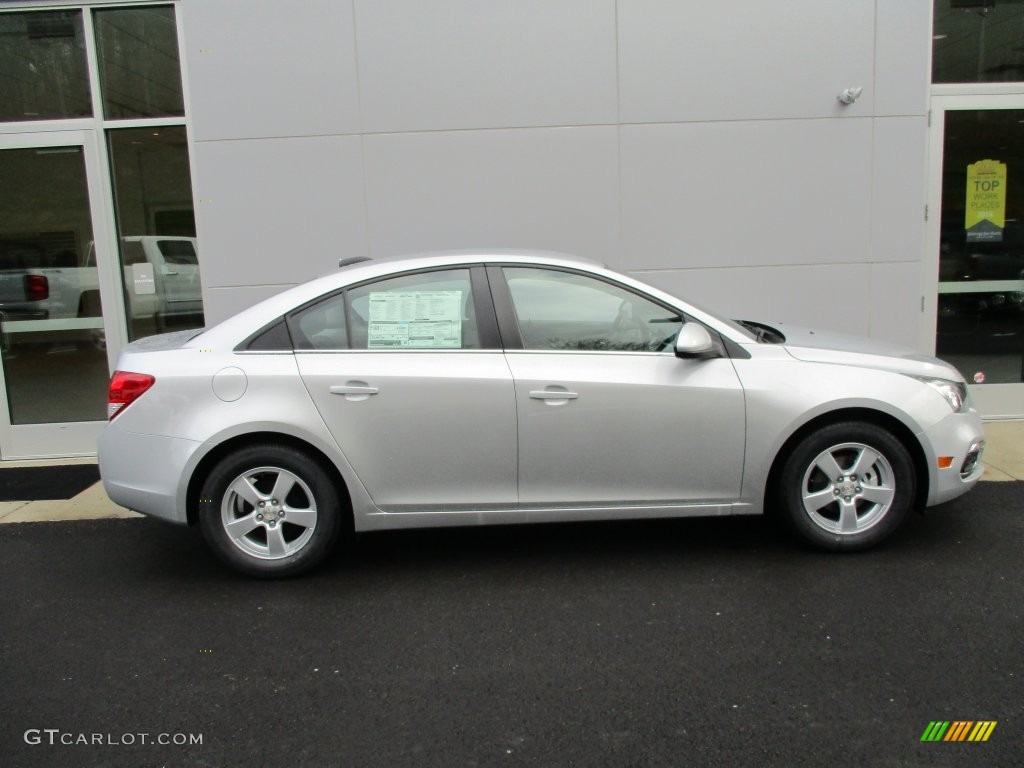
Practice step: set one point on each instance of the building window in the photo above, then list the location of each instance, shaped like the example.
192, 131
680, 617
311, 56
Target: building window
43, 69
978, 41
155, 221
140, 74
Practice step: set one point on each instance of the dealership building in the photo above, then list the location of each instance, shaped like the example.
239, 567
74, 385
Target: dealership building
844, 164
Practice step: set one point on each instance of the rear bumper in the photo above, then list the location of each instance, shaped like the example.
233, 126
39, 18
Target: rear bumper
956, 436
146, 473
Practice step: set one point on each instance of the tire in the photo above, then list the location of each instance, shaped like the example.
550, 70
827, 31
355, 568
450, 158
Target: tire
296, 528
847, 486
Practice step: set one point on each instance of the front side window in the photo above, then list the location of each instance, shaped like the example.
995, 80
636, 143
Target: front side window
425, 311
559, 310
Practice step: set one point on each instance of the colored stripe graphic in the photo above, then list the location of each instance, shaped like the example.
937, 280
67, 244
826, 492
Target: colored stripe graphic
958, 730
982, 730
935, 731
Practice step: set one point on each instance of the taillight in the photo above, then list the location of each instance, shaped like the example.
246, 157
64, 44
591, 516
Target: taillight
37, 287
125, 389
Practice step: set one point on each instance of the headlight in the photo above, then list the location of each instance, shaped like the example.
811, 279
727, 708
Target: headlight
954, 392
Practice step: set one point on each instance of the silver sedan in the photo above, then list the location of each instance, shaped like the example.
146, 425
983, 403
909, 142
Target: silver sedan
480, 388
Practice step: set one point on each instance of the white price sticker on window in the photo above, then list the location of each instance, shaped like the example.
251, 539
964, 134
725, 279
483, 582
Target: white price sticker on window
415, 320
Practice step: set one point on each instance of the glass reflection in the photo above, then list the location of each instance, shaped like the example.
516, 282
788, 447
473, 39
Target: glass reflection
51, 327
140, 75
978, 41
43, 72
156, 223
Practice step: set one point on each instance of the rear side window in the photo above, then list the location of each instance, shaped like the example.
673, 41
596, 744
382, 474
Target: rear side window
321, 326
422, 311
273, 339
430, 310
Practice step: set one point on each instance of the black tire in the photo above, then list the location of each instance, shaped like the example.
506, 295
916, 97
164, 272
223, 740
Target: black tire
283, 537
868, 497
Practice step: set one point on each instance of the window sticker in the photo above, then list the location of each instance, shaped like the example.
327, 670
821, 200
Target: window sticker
415, 320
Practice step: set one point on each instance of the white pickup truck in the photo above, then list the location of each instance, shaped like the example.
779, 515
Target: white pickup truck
40, 293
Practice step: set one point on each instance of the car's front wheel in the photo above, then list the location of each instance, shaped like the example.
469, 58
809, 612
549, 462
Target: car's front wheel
270, 511
847, 486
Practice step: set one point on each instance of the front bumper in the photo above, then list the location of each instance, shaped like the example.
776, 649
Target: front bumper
960, 437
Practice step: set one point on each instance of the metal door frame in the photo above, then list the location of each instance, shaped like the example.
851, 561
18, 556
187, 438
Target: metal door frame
27, 441
995, 401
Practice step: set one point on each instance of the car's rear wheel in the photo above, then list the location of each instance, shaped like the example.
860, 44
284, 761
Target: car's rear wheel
270, 510
847, 486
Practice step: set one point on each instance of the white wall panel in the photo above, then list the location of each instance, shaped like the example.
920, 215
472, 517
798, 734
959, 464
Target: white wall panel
265, 68
896, 302
903, 56
275, 211
746, 193
743, 59
471, 64
832, 296
222, 303
898, 195
552, 188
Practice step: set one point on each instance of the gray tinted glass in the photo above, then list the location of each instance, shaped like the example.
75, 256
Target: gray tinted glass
568, 311
43, 72
153, 192
140, 75
978, 41
321, 326
52, 345
980, 320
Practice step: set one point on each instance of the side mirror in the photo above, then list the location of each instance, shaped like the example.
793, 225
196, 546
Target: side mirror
694, 341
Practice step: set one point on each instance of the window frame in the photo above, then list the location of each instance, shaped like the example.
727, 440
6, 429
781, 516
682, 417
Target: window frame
486, 319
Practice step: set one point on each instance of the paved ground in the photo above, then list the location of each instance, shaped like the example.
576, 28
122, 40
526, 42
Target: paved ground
717, 643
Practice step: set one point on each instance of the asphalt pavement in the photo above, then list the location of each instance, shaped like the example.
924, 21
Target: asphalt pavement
667, 643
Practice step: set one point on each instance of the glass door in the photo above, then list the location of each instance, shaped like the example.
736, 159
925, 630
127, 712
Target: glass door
978, 237
53, 341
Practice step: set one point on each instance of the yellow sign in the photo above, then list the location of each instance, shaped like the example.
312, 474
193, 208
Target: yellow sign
985, 209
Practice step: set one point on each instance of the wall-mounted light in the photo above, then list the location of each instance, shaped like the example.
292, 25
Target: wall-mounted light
850, 95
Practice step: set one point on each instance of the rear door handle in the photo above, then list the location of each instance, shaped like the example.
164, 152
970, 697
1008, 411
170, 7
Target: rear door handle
349, 389
354, 390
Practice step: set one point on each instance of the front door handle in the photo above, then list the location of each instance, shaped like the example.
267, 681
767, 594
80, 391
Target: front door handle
354, 391
553, 396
